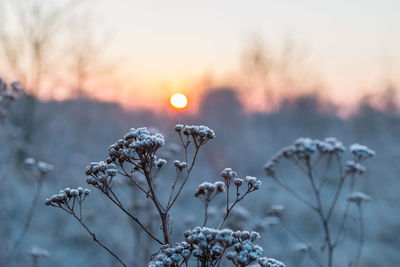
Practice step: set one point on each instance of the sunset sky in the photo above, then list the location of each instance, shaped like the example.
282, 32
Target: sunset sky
161, 47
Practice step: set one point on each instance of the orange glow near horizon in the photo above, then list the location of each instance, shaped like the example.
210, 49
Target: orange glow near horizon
178, 101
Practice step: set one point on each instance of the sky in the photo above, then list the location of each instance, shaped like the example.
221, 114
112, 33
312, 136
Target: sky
353, 47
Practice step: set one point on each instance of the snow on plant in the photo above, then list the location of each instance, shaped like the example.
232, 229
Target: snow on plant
307, 155
36, 253
136, 155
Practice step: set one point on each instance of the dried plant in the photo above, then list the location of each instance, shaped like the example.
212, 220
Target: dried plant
36, 171
136, 154
39, 173
309, 157
36, 253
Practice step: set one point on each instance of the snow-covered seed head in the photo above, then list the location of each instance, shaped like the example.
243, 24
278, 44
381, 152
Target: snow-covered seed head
208, 190
180, 165
179, 127
37, 252
29, 163
228, 174
220, 187
65, 195
47, 202
137, 142
253, 182
305, 147
74, 193
361, 152
209, 244
354, 167
238, 181
44, 167
270, 262
201, 133
358, 198
160, 163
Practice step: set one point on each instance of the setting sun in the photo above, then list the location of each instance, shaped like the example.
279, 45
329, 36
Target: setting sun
178, 101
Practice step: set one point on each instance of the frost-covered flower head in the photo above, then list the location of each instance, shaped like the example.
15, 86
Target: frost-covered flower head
65, 195
253, 182
100, 173
135, 145
244, 253
44, 167
201, 131
29, 163
330, 145
228, 174
208, 245
172, 256
180, 165
199, 134
39, 169
358, 198
270, 262
207, 190
361, 152
160, 163
37, 252
304, 148
354, 167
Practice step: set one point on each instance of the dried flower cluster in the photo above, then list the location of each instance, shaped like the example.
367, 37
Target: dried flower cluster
229, 176
306, 154
66, 196
100, 173
135, 155
180, 165
37, 252
201, 134
304, 148
136, 146
358, 198
39, 169
207, 191
207, 246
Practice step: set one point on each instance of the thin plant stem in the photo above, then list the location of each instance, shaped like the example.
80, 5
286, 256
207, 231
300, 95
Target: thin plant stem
26, 225
205, 212
361, 241
96, 239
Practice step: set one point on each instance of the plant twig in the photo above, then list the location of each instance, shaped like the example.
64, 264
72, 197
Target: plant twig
26, 225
